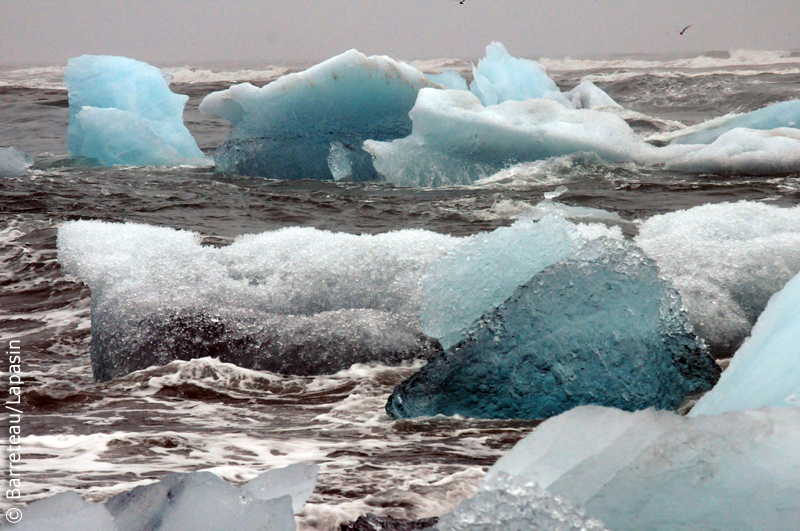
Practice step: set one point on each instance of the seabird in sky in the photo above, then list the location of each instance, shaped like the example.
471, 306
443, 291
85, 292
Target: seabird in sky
684, 29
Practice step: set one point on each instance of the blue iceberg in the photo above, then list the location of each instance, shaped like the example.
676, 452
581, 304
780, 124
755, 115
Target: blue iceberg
123, 112
766, 370
450, 79
601, 328
658, 471
13, 162
286, 129
500, 77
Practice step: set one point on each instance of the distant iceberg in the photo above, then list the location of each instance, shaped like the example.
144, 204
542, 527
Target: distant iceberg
286, 129
726, 260
293, 301
13, 162
199, 501
599, 328
123, 112
658, 471
765, 371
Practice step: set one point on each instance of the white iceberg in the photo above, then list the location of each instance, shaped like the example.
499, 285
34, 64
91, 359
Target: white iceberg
765, 371
500, 77
657, 471
726, 260
65, 512
13, 162
298, 300
123, 112
285, 129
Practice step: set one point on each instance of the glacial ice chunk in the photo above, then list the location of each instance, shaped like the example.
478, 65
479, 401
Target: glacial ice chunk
199, 501
511, 502
499, 77
450, 79
13, 162
785, 114
657, 471
65, 511
123, 112
285, 129
765, 371
294, 301
600, 328
297, 480
456, 140
477, 276
726, 260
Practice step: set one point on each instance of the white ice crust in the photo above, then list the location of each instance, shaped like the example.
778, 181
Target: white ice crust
726, 260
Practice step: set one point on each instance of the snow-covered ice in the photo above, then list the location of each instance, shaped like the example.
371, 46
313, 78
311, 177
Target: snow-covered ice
123, 112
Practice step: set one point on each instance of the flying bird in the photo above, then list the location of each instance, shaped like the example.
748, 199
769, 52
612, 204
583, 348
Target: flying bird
684, 29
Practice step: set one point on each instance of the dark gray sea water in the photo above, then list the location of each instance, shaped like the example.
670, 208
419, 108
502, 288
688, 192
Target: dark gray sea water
105, 438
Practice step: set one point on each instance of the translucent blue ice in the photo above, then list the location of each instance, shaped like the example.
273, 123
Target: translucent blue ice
13, 162
784, 114
499, 77
285, 129
765, 371
658, 471
601, 328
123, 112
450, 79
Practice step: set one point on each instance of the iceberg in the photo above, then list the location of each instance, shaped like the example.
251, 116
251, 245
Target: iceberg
13, 162
779, 115
658, 471
199, 501
513, 502
294, 301
456, 140
499, 77
450, 79
286, 129
765, 371
123, 112
600, 328
493, 265
726, 260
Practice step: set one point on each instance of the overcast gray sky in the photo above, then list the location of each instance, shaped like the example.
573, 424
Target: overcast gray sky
272, 31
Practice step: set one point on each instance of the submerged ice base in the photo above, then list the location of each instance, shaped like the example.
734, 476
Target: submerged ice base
123, 112
298, 300
600, 328
658, 471
285, 129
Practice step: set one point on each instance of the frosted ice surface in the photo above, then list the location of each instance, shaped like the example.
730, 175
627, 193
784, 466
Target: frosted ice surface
658, 471
13, 162
123, 112
285, 129
296, 300
779, 115
450, 79
484, 272
514, 503
500, 77
297, 481
64, 512
199, 501
600, 328
765, 371
726, 260
456, 140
